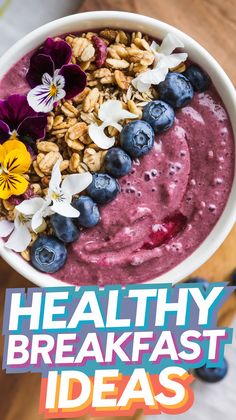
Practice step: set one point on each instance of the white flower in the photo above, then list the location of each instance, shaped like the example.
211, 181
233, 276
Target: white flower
111, 112
60, 192
30, 213
35, 209
19, 232
43, 97
58, 199
164, 60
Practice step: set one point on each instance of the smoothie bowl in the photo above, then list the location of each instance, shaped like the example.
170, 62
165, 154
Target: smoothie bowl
117, 152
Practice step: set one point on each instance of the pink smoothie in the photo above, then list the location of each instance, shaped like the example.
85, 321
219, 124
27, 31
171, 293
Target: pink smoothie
189, 171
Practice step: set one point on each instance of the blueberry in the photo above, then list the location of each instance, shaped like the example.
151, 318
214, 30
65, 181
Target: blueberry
198, 78
137, 138
176, 90
89, 213
64, 228
117, 162
103, 189
159, 115
212, 375
48, 254
199, 280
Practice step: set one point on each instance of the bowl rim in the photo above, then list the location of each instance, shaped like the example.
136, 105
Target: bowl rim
133, 21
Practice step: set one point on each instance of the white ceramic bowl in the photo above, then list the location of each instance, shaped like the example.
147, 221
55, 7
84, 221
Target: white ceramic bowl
157, 29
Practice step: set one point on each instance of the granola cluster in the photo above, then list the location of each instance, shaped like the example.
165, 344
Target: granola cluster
67, 130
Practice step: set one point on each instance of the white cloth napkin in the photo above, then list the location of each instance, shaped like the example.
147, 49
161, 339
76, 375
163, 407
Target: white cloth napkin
18, 17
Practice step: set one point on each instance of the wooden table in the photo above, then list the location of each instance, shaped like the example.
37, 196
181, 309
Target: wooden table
213, 24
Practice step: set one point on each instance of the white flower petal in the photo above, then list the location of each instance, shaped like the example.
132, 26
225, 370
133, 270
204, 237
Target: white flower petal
99, 137
40, 99
19, 220
47, 80
169, 44
37, 222
64, 209
31, 206
5, 228
19, 239
76, 183
38, 217
112, 111
59, 81
56, 177
61, 93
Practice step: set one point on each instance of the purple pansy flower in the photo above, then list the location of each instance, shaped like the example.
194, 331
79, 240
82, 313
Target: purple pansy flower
51, 77
18, 119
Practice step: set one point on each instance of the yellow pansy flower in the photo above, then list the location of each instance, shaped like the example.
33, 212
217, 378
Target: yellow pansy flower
15, 160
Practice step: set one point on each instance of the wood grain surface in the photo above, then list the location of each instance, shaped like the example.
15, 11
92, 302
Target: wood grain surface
213, 24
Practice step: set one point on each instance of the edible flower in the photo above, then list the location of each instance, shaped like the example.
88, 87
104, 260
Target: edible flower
110, 112
51, 77
19, 232
58, 199
15, 161
19, 120
164, 60
20, 229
